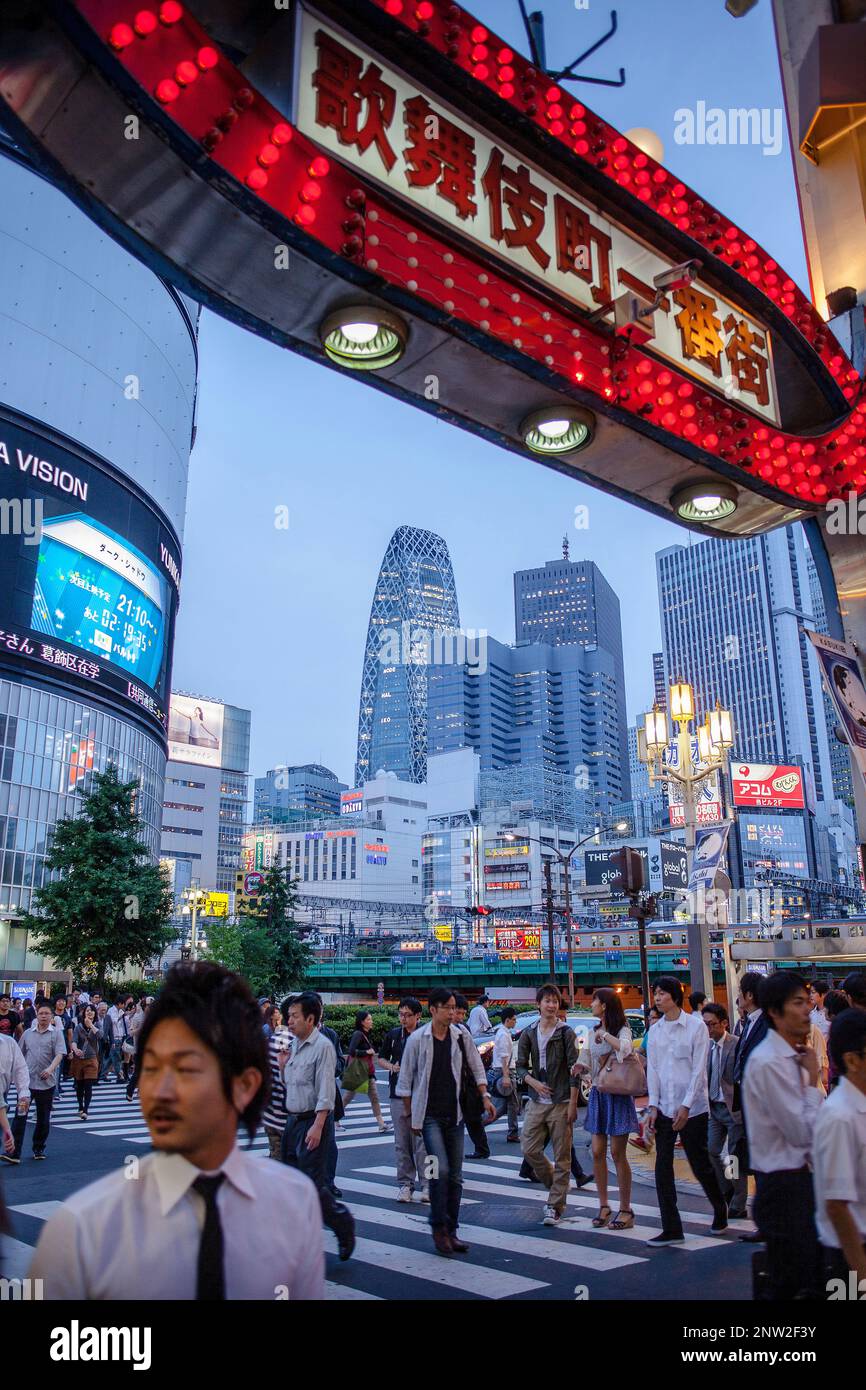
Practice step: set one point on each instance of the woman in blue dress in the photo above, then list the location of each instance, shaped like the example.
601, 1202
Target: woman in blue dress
609, 1116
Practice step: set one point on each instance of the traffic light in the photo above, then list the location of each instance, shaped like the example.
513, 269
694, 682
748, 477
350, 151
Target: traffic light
477, 911
629, 876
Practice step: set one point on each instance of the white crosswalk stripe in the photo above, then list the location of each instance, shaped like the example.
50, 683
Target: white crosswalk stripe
500, 1211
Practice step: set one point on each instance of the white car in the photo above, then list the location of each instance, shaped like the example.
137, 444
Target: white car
583, 1024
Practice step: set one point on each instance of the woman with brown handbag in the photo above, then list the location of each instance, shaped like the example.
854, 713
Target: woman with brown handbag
609, 1057
84, 1063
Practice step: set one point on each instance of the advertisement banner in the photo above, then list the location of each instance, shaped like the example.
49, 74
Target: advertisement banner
195, 731
767, 785
443, 931
215, 905
350, 802
89, 576
517, 938
599, 870
709, 848
708, 806
845, 687
572, 250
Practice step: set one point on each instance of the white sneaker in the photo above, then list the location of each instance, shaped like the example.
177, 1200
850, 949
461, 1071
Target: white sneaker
404, 1194
422, 1196
551, 1217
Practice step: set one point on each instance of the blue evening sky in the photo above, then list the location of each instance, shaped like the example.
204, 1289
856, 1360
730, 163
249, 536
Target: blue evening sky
275, 620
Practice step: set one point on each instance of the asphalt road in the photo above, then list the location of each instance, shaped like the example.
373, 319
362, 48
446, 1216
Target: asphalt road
512, 1255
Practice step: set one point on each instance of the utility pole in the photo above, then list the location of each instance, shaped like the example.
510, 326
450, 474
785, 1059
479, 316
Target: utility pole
548, 893
565, 866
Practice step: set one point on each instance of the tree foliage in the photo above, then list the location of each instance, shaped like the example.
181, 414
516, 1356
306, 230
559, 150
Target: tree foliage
277, 902
109, 904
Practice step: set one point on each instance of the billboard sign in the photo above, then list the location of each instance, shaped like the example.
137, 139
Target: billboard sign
89, 576
707, 858
253, 883
350, 802
844, 685
708, 799
508, 206
599, 868
443, 931
435, 169
517, 938
674, 865
774, 843
195, 730
215, 905
767, 785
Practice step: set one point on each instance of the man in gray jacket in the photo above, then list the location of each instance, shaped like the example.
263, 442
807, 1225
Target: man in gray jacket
431, 1080
546, 1054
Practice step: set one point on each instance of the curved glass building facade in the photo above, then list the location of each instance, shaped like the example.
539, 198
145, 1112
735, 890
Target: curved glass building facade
415, 600
98, 369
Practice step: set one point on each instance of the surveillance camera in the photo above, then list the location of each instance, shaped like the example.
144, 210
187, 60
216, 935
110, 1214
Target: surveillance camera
678, 276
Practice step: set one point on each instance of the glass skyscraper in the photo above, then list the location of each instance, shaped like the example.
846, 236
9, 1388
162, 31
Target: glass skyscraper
414, 603
570, 603
734, 615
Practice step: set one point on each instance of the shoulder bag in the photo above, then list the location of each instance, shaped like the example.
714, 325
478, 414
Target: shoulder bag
626, 1078
470, 1097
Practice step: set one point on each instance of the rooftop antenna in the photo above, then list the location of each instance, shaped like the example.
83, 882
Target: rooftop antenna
565, 547
534, 26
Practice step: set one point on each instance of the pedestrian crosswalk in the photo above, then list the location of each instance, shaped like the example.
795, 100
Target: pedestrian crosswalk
112, 1116
511, 1254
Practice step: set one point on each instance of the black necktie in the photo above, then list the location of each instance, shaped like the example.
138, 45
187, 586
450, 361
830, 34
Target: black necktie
210, 1283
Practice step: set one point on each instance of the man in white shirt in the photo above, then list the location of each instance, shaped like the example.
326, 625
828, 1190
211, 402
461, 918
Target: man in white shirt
503, 1090
780, 1103
839, 1158
479, 1019
677, 1050
203, 1219
817, 994
13, 1072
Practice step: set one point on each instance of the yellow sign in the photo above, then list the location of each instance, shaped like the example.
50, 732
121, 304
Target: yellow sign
215, 905
443, 932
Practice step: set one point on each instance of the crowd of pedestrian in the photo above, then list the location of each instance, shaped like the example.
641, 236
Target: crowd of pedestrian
81, 1039
780, 1098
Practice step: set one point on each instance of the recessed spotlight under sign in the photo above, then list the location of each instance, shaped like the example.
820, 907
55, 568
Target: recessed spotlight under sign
709, 499
558, 429
363, 337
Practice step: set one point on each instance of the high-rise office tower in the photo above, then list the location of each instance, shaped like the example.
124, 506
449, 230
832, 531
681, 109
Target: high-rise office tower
205, 804
287, 794
414, 603
570, 603
734, 615
533, 704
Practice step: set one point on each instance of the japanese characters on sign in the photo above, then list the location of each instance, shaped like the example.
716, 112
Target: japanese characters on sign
374, 118
765, 784
517, 938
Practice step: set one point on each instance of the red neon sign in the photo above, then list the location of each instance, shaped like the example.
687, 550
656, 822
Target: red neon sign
198, 89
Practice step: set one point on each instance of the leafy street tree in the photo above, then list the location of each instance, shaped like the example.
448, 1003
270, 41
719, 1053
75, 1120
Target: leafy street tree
277, 902
110, 903
246, 948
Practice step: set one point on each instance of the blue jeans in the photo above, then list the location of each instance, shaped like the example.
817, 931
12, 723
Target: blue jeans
444, 1143
113, 1062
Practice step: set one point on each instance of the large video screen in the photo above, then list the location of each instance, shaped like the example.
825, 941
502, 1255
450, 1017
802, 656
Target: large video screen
89, 574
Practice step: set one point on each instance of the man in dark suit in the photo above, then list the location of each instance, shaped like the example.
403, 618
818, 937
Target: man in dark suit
754, 1030
722, 1124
